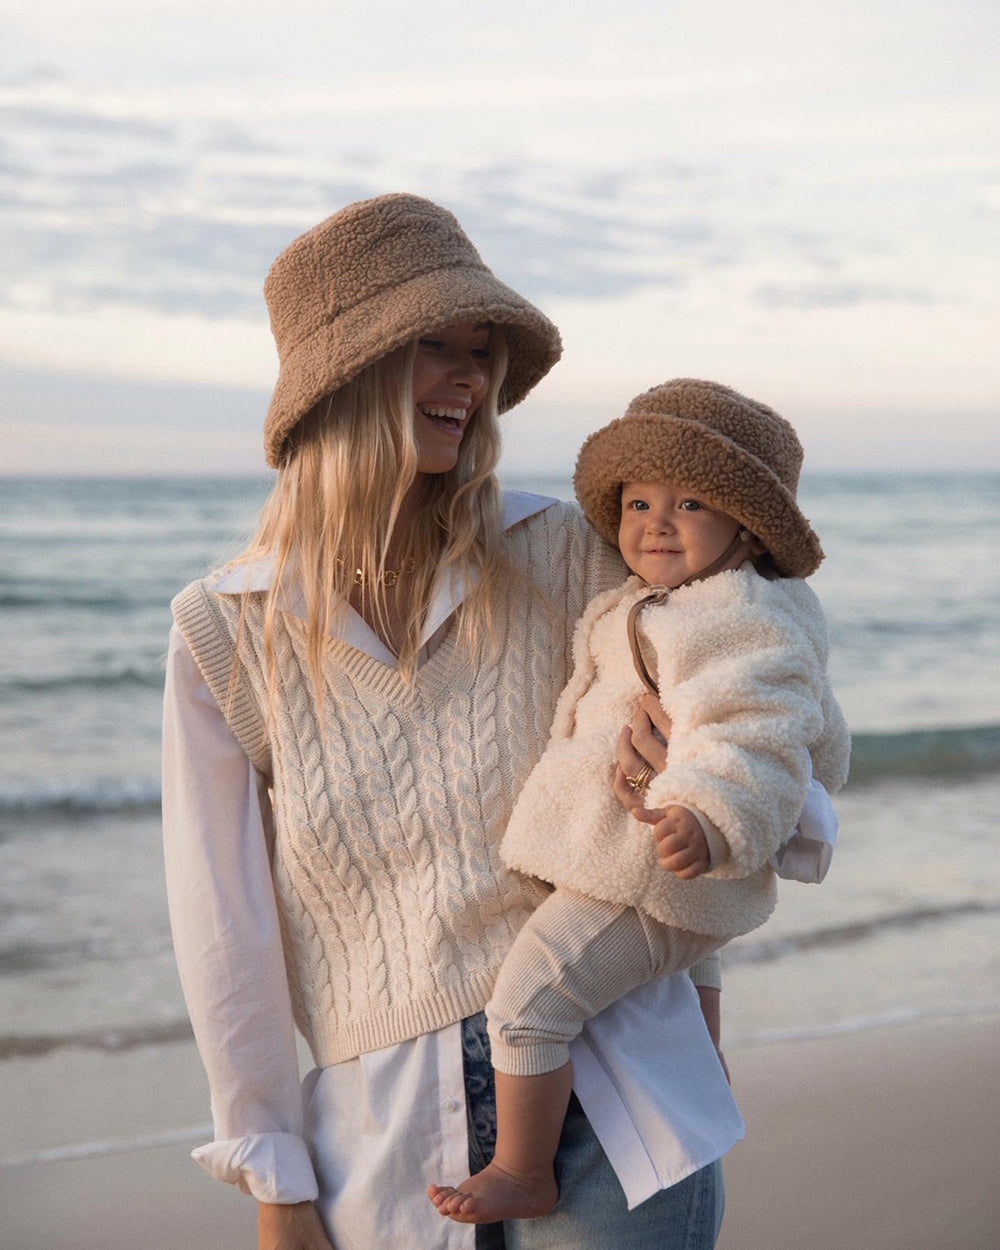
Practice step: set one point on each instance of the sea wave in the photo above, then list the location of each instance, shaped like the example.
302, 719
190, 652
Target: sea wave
20, 1046
767, 950
79, 796
931, 753
934, 754
51, 598
76, 683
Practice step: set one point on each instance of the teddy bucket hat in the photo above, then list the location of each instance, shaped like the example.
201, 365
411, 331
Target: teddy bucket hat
731, 452
373, 277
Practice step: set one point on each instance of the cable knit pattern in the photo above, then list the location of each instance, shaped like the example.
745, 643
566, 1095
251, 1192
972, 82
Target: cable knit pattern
396, 911
742, 674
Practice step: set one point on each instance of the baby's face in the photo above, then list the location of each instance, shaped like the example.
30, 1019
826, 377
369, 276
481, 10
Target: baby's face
666, 535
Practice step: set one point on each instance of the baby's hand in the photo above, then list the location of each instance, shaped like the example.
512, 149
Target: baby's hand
681, 847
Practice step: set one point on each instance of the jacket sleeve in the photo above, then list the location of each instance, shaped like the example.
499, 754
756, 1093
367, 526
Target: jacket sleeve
216, 820
742, 678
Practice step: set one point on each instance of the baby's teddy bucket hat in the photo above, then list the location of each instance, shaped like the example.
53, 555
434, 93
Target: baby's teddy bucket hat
730, 452
368, 280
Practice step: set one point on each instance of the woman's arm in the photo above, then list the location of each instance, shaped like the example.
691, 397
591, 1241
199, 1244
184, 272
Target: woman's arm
290, 1226
224, 920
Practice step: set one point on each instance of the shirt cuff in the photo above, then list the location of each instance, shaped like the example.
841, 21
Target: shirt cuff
273, 1167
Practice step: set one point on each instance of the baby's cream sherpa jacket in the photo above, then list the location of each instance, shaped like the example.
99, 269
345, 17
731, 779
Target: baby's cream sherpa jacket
741, 665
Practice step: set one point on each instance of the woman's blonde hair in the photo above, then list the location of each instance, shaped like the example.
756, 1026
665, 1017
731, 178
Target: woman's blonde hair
349, 466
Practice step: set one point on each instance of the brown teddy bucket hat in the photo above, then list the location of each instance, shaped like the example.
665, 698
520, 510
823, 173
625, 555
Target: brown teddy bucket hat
373, 277
729, 451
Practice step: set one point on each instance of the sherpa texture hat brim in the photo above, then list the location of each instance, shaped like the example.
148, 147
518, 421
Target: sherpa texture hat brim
651, 443
369, 280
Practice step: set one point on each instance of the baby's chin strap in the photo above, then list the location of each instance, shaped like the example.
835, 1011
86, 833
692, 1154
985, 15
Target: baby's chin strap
659, 595
743, 535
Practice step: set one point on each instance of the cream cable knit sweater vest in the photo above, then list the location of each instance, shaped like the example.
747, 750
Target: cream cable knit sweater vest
396, 911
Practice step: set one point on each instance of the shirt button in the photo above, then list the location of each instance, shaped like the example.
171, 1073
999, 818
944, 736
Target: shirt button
451, 1104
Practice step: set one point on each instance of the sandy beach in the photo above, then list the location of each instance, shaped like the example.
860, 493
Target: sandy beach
884, 1139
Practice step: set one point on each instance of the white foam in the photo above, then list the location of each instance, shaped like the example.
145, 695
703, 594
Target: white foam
112, 1146
878, 1020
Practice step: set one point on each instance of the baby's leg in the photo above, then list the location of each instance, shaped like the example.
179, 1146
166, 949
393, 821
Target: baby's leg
574, 957
519, 1182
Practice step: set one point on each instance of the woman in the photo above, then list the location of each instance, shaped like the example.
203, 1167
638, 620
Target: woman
350, 712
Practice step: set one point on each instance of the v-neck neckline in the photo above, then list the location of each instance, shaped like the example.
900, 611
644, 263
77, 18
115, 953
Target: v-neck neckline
448, 667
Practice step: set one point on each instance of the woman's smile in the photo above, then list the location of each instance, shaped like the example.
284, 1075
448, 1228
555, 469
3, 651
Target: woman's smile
451, 376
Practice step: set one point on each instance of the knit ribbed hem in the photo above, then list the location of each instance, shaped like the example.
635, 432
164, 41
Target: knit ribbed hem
200, 618
533, 1060
448, 669
707, 972
331, 1044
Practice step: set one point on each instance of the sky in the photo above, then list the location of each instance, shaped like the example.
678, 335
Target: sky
799, 198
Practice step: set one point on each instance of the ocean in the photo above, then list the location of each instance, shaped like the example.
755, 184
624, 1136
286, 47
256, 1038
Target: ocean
906, 925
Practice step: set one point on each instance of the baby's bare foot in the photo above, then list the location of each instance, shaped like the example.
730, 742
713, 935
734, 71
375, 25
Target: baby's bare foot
496, 1194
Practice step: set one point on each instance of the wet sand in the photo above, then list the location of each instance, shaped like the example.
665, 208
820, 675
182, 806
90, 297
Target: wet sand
885, 1140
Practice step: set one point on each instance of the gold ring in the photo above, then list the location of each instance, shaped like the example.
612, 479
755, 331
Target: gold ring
641, 779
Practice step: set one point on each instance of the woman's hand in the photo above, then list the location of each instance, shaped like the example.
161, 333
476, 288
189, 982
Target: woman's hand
290, 1226
642, 744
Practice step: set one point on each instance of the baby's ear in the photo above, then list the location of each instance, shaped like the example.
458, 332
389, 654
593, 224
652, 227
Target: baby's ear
764, 564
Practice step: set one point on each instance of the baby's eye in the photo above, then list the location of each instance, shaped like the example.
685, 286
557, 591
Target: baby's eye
637, 505
690, 505
431, 345
481, 353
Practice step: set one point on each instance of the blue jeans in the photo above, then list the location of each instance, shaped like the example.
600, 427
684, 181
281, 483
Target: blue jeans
591, 1211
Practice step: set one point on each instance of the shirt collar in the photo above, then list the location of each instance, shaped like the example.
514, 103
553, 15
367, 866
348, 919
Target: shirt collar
258, 575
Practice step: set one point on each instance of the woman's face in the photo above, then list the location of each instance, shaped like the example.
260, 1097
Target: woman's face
451, 375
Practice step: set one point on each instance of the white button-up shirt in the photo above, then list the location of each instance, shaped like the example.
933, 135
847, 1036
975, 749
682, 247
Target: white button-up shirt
645, 1070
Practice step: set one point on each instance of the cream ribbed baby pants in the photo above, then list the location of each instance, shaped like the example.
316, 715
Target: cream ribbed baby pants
575, 956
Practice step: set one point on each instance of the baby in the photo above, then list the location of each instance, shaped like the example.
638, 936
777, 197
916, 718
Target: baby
696, 484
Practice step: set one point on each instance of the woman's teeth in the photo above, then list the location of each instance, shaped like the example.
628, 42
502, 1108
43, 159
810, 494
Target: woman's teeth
453, 415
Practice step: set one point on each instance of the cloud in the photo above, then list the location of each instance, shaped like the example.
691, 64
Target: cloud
57, 124
838, 295
771, 192
123, 193
130, 213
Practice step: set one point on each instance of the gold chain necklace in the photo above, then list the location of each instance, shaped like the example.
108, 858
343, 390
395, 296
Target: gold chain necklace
388, 577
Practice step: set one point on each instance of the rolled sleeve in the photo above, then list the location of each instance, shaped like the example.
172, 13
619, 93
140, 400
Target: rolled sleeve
273, 1167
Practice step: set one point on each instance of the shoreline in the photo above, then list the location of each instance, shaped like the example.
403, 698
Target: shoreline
876, 1137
